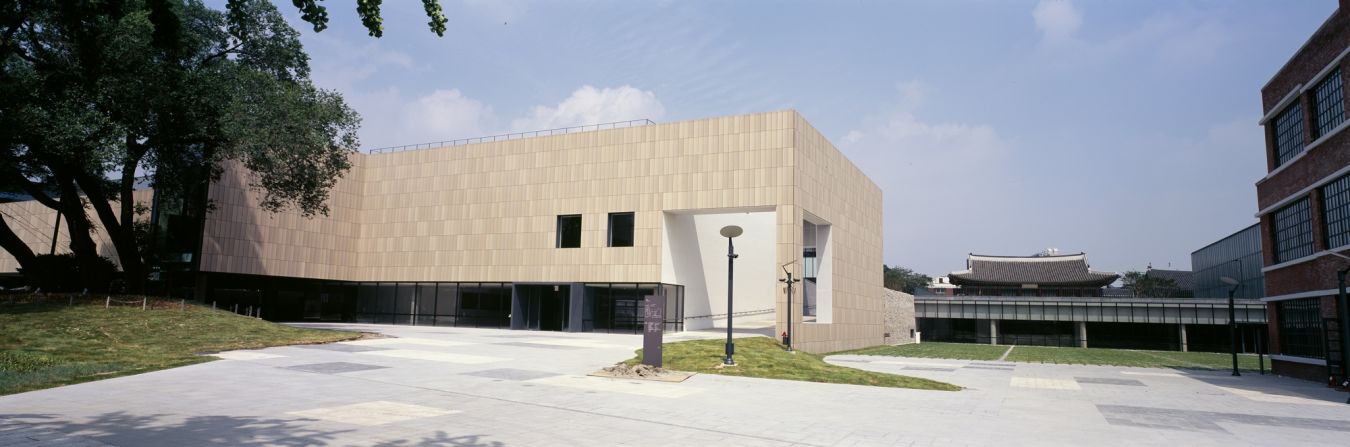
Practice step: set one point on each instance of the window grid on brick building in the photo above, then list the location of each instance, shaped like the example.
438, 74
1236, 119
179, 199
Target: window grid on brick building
1293, 231
1300, 323
1330, 105
1336, 211
1288, 133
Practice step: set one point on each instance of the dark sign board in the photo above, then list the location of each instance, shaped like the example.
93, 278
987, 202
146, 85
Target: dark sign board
653, 327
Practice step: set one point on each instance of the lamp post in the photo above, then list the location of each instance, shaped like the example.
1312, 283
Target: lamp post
1232, 321
730, 232
789, 281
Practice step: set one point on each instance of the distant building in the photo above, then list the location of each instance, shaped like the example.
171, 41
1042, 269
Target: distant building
1304, 202
1040, 275
1058, 300
940, 286
1237, 256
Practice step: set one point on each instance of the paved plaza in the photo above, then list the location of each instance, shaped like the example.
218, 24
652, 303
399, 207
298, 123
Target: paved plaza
439, 386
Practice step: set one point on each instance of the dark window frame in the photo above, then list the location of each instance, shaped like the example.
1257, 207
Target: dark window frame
1336, 212
1291, 230
561, 239
1299, 322
1288, 130
1328, 104
612, 241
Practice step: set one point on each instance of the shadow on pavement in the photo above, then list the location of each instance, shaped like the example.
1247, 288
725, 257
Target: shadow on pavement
121, 428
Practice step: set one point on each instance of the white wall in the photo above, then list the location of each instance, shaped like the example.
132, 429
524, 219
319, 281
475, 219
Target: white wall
695, 256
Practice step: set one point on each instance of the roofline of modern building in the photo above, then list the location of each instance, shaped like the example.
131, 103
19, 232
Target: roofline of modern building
1235, 233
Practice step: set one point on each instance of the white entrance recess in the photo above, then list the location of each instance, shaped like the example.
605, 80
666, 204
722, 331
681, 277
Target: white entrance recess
695, 256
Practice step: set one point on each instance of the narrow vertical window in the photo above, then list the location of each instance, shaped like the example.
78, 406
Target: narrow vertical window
620, 229
1330, 105
569, 231
1288, 133
1336, 212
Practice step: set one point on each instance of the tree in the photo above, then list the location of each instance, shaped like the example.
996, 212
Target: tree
903, 279
167, 87
1144, 286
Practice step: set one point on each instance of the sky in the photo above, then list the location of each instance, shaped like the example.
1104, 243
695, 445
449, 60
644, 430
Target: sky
1123, 129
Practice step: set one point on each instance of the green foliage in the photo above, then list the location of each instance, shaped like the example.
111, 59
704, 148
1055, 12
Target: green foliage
169, 87
765, 358
47, 345
903, 279
1145, 286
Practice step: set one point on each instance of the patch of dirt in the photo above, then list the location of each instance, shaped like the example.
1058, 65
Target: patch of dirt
644, 372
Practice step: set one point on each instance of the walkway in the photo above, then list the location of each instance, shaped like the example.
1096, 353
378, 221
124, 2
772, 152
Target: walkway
482, 387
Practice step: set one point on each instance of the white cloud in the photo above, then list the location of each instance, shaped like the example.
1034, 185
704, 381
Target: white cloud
588, 105
1057, 20
446, 114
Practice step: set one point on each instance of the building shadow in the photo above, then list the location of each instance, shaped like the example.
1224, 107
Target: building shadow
122, 428
443, 439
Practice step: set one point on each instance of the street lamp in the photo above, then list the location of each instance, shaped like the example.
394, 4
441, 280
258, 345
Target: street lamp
1232, 320
787, 339
730, 232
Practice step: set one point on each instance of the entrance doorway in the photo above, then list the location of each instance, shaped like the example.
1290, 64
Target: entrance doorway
545, 307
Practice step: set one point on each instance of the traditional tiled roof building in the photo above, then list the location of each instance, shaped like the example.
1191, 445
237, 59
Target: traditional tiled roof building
1053, 275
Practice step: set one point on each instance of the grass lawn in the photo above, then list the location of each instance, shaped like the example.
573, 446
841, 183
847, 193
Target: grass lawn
48, 345
1125, 357
763, 357
962, 351
1079, 356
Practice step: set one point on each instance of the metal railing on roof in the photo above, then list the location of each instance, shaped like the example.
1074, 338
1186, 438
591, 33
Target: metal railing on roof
514, 136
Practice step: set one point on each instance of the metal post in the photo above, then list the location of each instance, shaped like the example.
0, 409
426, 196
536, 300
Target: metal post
731, 270
1232, 331
789, 312
1260, 355
144, 302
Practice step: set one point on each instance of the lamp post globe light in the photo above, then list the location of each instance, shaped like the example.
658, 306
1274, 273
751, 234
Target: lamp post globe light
1232, 321
730, 232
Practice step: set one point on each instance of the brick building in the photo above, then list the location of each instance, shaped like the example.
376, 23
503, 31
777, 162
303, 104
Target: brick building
1304, 202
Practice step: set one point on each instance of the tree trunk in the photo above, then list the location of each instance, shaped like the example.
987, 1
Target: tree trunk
81, 240
17, 248
121, 231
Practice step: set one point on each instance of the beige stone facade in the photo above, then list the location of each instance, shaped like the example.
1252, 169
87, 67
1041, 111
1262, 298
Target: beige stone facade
488, 212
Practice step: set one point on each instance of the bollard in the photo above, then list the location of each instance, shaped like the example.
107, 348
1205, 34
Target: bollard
213, 305
107, 301
182, 305
248, 311
143, 303
259, 313
236, 308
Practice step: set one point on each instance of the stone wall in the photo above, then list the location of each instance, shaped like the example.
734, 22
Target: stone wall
899, 317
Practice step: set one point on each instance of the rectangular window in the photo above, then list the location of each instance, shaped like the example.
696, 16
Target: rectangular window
1336, 212
569, 231
1330, 105
1293, 231
1300, 325
620, 229
1288, 133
